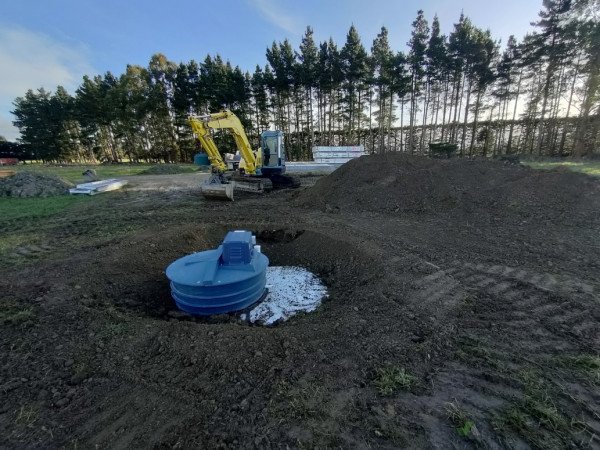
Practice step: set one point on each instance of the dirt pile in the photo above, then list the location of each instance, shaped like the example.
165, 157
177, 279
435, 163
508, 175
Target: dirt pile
29, 184
400, 183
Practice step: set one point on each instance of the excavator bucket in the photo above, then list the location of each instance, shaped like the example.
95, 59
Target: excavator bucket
215, 189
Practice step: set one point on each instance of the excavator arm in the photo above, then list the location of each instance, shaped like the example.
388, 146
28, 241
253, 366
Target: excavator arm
208, 143
230, 122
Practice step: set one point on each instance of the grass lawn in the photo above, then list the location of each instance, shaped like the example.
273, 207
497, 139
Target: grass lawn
33, 227
33, 209
74, 173
29, 226
587, 167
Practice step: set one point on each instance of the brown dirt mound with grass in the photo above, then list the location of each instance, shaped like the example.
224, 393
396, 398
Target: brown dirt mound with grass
401, 183
29, 184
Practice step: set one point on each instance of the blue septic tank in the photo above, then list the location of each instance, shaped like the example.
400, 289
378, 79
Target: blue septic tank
229, 278
201, 159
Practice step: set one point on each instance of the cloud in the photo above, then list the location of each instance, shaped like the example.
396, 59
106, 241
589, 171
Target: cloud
31, 60
272, 12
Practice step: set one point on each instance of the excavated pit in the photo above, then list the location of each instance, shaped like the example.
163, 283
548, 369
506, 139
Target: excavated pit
143, 287
276, 236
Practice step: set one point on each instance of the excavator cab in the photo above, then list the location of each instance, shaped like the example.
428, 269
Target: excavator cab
273, 153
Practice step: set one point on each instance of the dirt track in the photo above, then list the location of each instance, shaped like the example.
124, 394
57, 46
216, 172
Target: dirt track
494, 315
164, 183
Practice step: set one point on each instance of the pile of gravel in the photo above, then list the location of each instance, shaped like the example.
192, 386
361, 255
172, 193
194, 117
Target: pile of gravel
30, 184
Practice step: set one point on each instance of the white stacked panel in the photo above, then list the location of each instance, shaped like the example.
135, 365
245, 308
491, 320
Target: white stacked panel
337, 155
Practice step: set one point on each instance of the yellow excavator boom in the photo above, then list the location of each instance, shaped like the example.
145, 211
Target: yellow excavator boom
205, 138
230, 122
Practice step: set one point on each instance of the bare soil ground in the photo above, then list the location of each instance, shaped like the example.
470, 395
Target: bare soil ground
452, 322
173, 182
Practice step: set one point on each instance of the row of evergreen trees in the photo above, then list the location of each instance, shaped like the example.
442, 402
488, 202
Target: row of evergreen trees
541, 96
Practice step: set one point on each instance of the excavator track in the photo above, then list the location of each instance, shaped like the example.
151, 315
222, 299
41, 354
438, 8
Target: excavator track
247, 184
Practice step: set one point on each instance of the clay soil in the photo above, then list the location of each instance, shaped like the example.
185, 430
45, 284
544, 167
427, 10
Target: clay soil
478, 281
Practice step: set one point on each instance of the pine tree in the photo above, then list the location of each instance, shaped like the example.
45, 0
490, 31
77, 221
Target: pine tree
309, 76
550, 49
383, 61
131, 94
324, 87
66, 131
417, 68
400, 83
33, 121
458, 43
261, 99
161, 74
508, 75
354, 60
584, 18
485, 52
437, 74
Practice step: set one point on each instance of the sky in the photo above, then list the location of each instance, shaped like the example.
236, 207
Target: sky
50, 43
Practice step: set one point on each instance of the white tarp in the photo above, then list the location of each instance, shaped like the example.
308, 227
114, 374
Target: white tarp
97, 187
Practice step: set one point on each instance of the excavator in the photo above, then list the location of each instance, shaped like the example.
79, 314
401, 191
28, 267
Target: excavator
258, 171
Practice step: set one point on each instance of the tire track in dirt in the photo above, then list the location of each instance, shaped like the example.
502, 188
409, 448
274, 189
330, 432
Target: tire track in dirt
113, 420
515, 328
557, 317
32, 250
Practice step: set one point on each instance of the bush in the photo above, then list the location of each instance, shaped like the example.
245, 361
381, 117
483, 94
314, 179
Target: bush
441, 149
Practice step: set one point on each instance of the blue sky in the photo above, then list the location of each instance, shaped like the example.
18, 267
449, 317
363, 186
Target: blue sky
50, 43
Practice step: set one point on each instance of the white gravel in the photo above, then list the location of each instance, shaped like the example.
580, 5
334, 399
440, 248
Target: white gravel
290, 290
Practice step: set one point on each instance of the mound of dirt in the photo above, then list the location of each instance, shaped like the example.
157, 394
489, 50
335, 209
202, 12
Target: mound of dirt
166, 169
30, 184
401, 183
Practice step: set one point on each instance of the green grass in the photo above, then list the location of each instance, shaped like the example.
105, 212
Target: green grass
308, 401
537, 416
75, 173
587, 167
27, 415
459, 418
16, 314
37, 208
33, 228
114, 330
390, 379
472, 351
587, 365
9, 242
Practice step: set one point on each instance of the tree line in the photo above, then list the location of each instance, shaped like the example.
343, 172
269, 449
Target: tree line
539, 96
